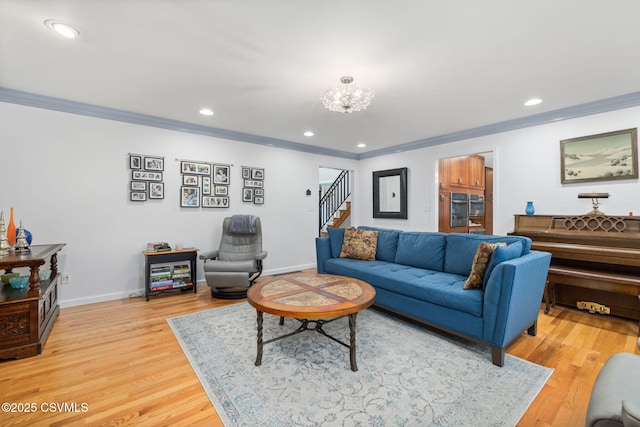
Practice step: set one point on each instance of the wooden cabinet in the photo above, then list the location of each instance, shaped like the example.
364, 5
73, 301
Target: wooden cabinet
27, 315
463, 171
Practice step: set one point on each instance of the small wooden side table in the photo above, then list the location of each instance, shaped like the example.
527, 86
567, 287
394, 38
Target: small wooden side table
187, 254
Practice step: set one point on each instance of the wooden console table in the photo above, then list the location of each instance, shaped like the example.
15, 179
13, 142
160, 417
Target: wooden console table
27, 315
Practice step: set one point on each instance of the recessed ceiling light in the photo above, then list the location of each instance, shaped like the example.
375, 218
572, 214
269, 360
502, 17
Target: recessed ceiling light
361, 145
206, 112
65, 30
533, 101
308, 133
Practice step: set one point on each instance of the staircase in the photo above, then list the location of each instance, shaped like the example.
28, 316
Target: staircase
334, 207
338, 218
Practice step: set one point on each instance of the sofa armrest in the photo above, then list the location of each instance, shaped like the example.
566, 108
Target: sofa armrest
323, 253
261, 255
513, 296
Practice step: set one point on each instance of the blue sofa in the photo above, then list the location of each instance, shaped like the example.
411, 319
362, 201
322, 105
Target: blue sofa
420, 275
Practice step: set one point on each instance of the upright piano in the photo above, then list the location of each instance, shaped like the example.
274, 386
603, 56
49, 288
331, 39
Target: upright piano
595, 260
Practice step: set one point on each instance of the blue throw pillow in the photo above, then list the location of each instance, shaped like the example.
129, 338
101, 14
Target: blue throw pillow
336, 236
501, 254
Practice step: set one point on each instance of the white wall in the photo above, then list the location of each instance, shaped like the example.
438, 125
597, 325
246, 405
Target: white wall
526, 167
67, 176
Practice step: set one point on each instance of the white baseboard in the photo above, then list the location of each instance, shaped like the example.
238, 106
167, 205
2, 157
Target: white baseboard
140, 292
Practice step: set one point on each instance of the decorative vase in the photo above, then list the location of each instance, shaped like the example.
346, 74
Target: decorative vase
11, 230
530, 210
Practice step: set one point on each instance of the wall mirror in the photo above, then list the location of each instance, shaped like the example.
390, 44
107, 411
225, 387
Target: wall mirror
390, 193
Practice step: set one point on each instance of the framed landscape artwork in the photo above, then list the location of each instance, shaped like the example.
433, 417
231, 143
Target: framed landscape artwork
602, 157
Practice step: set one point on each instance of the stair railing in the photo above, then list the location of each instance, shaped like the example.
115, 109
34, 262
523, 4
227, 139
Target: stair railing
333, 199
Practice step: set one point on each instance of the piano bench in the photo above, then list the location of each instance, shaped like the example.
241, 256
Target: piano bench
613, 282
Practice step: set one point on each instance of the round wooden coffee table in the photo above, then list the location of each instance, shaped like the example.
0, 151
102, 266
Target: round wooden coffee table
311, 298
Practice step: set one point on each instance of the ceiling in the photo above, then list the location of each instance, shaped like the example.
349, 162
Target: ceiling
436, 67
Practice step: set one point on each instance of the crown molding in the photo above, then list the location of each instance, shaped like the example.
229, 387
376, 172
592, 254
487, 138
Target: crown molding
67, 106
58, 104
576, 111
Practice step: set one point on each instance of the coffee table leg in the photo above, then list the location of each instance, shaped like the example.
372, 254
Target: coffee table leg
352, 343
259, 356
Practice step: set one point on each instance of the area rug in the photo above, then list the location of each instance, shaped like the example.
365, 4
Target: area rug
408, 375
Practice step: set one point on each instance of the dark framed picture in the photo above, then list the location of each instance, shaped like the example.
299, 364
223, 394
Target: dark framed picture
138, 196
390, 193
189, 180
221, 174
146, 176
195, 168
247, 194
154, 163
257, 173
602, 157
189, 197
258, 192
246, 173
253, 183
215, 202
258, 200
221, 190
135, 162
156, 190
138, 186
206, 185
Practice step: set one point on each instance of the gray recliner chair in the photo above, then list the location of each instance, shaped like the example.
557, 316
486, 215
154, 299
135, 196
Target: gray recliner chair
615, 399
237, 263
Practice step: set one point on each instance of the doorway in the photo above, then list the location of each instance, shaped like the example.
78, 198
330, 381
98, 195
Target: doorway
334, 198
465, 194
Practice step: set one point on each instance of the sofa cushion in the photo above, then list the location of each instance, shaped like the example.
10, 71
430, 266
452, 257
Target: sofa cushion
336, 236
461, 249
501, 254
424, 250
387, 243
359, 244
479, 265
435, 287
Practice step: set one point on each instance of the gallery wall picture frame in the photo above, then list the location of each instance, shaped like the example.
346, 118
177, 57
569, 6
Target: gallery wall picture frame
135, 162
246, 173
195, 168
257, 173
138, 196
156, 190
221, 174
206, 185
154, 163
602, 157
390, 193
190, 197
258, 191
221, 190
247, 194
258, 200
146, 176
215, 202
253, 183
138, 186
190, 180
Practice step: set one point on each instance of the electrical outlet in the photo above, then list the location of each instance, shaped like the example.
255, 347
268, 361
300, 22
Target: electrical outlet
65, 278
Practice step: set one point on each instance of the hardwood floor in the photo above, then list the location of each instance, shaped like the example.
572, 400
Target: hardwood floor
120, 364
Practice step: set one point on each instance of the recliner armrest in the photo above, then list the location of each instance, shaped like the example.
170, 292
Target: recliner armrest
630, 413
261, 255
209, 255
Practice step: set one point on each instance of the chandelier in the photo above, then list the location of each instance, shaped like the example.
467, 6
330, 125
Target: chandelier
347, 97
